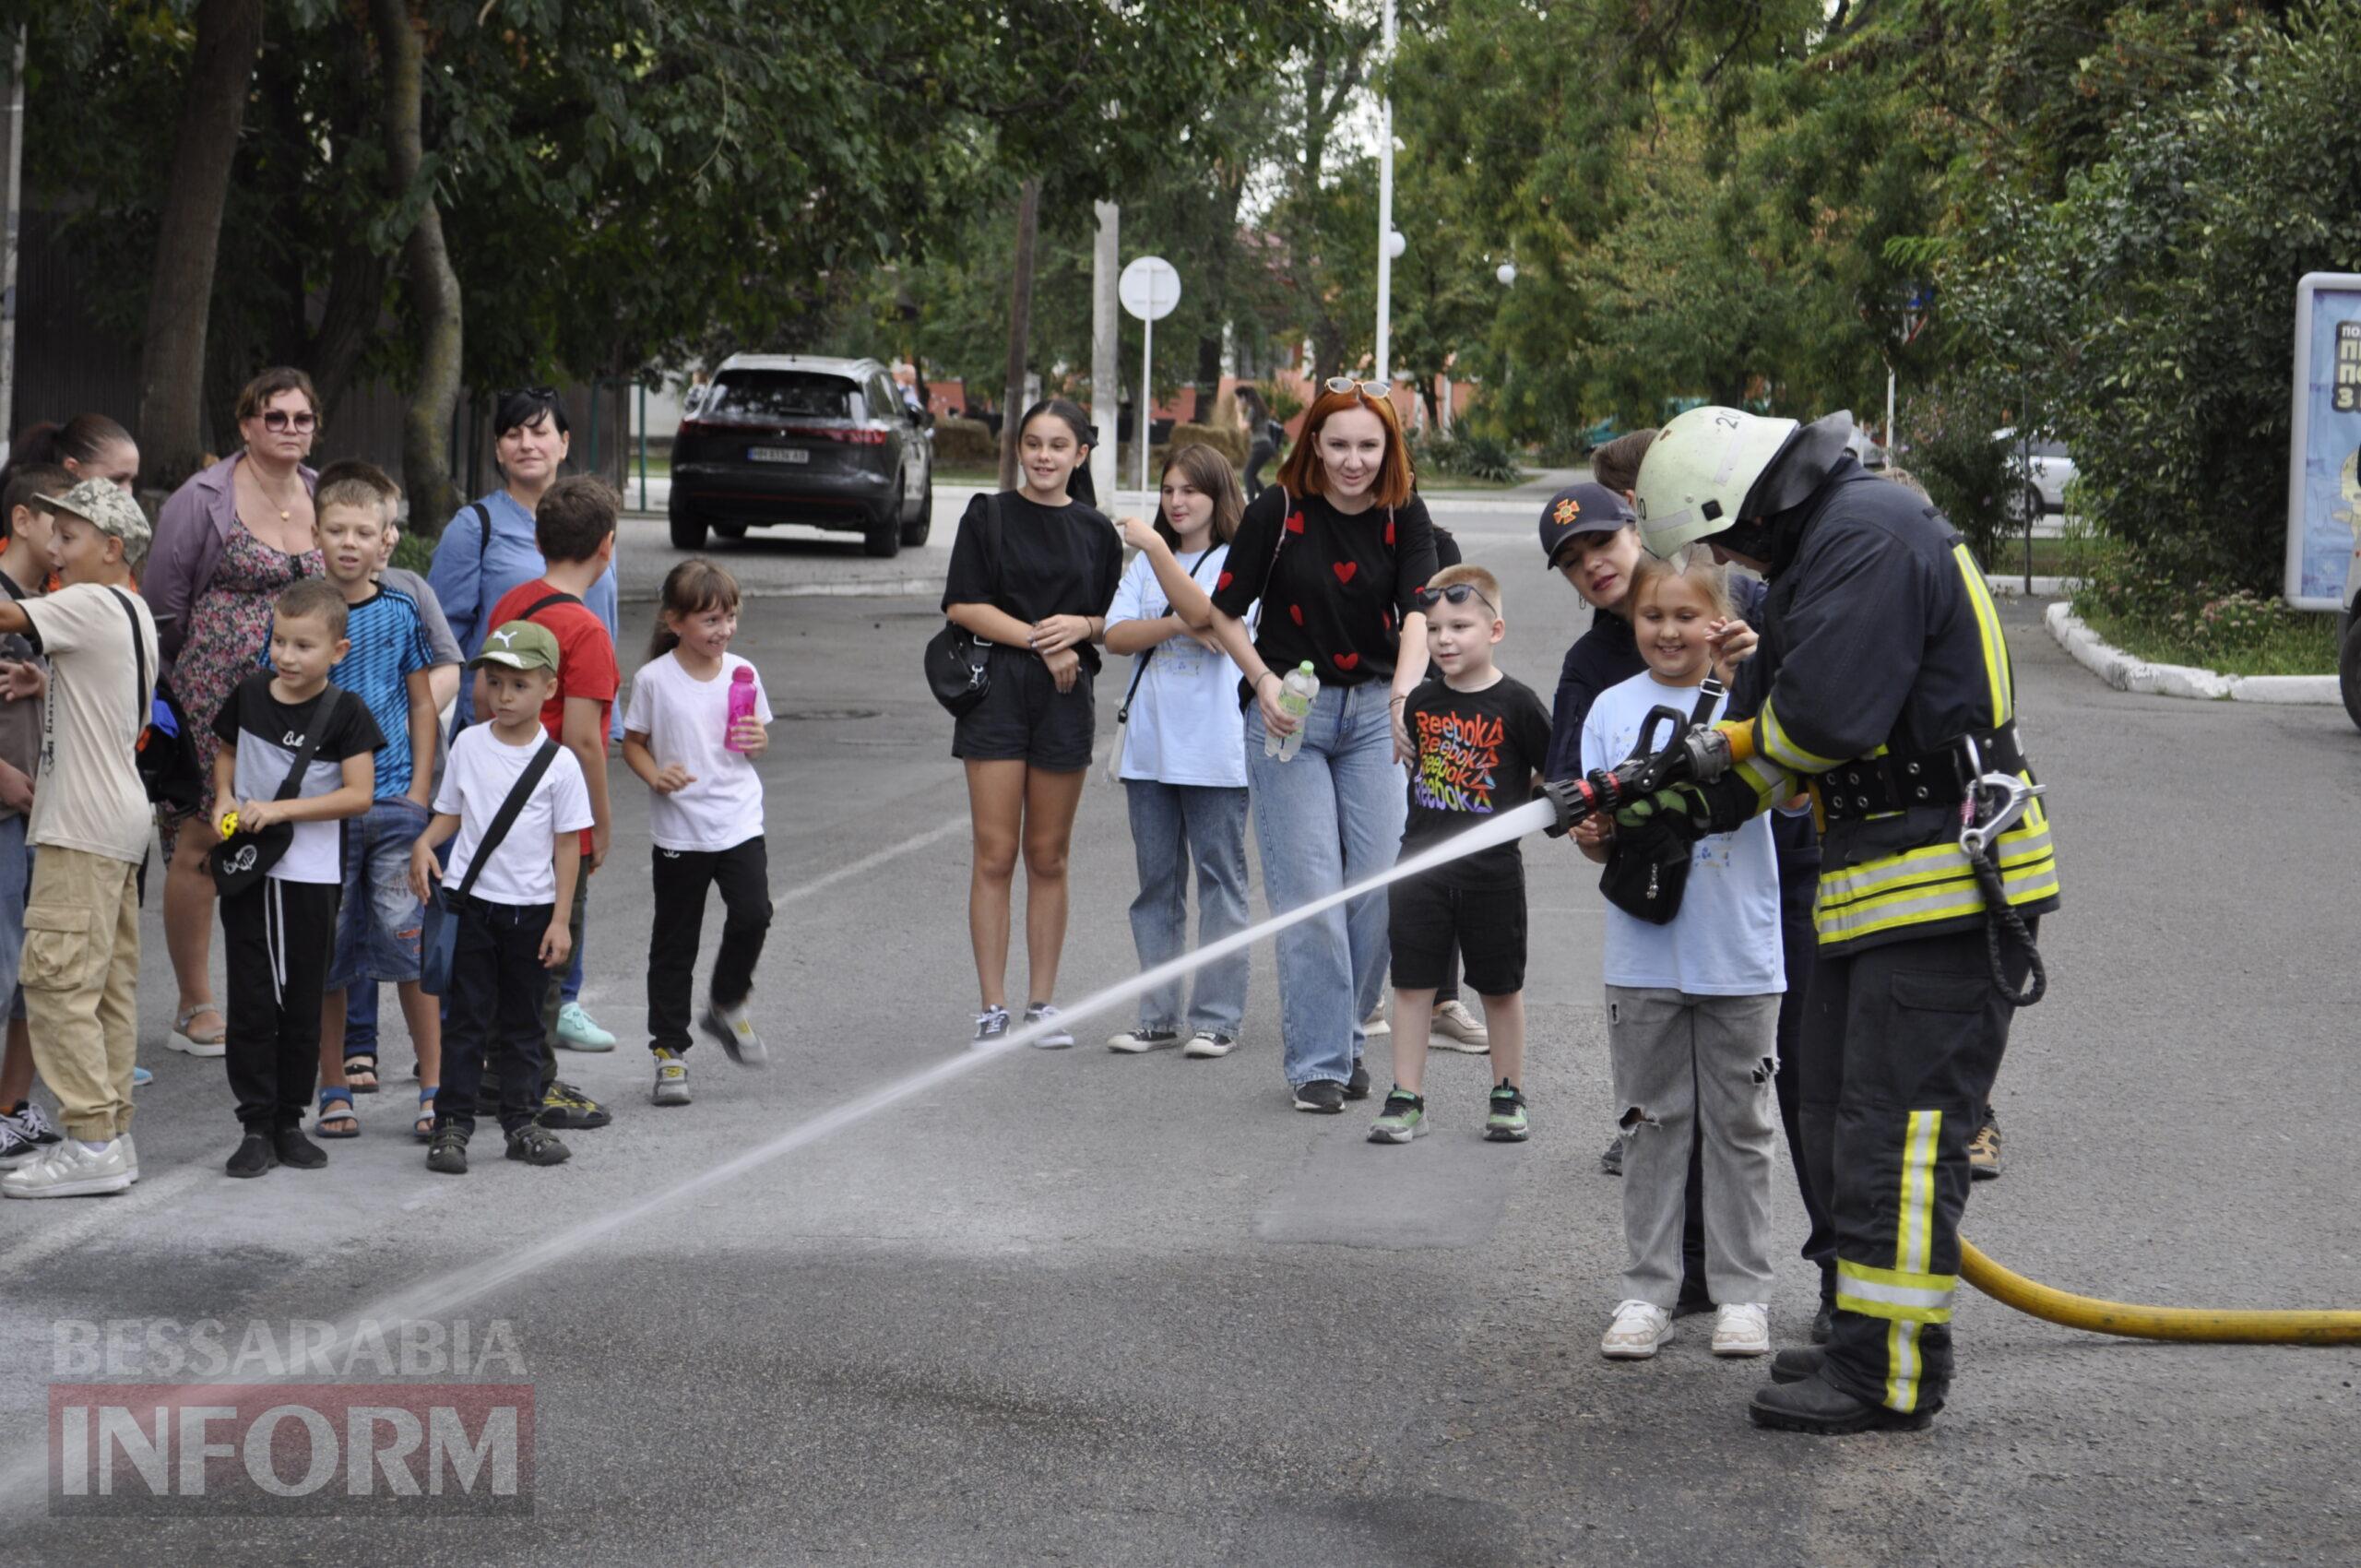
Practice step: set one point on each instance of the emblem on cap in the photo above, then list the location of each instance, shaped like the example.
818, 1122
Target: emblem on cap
1568, 510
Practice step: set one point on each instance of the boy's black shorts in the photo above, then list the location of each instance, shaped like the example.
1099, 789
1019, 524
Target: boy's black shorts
1023, 717
1426, 913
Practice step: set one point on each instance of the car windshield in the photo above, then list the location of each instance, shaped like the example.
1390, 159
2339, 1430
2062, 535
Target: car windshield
753, 396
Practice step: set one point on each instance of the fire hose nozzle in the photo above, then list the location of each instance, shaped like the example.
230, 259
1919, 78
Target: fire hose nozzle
1573, 800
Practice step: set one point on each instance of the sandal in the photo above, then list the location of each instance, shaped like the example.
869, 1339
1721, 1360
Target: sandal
424, 1128
333, 1095
212, 1042
361, 1072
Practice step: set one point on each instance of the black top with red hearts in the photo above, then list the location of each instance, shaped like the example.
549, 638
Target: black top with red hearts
1334, 585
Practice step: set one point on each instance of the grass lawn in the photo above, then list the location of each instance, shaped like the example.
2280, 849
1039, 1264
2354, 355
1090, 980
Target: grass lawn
2296, 644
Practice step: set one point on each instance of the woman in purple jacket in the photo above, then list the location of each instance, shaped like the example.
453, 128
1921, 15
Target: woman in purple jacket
226, 543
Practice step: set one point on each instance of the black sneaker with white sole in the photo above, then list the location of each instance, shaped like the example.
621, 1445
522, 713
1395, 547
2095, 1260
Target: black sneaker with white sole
1133, 1041
1322, 1096
1209, 1043
1357, 1087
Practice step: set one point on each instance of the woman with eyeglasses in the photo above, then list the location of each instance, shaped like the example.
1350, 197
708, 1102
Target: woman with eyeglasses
1335, 552
490, 546
226, 543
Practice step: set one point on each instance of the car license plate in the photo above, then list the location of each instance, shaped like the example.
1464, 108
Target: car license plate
778, 454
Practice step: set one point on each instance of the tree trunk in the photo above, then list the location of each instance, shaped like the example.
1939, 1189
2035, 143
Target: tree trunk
171, 349
433, 287
1020, 327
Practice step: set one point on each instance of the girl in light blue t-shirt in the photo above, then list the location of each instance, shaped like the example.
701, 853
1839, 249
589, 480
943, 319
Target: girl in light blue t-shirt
1181, 755
1693, 1005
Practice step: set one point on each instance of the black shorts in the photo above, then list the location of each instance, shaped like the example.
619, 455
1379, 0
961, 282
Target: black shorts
1023, 717
1426, 913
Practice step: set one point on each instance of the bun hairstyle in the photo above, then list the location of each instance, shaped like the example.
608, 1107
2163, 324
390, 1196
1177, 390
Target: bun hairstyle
692, 587
1306, 473
79, 440
1209, 473
1693, 564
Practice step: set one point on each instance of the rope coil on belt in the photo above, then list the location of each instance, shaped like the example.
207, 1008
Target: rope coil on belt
1999, 914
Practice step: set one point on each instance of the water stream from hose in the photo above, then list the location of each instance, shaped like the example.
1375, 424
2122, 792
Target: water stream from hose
445, 1294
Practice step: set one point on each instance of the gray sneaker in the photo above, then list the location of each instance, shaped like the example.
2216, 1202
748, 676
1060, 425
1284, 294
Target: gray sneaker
992, 1027
735, 1030
31, 1124
1057, 1038
671, 1079
1456, 1029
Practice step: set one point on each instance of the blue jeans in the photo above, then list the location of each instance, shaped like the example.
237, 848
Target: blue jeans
1171, 826
15, 888
1328, 819
379, 918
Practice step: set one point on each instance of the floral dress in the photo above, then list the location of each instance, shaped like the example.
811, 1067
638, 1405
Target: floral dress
229, 631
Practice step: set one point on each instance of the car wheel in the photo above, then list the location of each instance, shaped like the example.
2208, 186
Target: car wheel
688, 531
914, 532
730, 530
2348, 667
882, 536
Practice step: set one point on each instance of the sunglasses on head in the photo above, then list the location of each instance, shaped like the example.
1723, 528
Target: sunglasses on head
1369, 388
1457, 593
282, 418
538, 394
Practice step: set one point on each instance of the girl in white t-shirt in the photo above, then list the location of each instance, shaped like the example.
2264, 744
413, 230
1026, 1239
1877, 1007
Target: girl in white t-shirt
1183, 756
706, 819
1693, 1005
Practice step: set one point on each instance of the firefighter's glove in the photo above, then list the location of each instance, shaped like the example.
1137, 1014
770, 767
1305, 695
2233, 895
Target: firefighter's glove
1682, 810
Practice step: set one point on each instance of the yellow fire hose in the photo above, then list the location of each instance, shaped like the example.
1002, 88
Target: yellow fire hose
2200, 1323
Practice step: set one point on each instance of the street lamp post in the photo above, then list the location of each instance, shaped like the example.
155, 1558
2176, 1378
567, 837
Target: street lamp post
1387, 240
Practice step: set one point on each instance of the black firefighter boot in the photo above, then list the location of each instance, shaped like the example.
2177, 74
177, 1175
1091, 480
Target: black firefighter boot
1817, 1405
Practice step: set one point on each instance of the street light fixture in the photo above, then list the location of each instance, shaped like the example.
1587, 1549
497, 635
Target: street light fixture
1506, 273
1395, 244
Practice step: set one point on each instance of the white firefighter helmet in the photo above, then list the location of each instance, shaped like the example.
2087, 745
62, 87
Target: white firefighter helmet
1698, 471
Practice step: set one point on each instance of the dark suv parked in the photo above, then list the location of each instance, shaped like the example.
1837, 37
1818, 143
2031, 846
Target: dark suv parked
785, 439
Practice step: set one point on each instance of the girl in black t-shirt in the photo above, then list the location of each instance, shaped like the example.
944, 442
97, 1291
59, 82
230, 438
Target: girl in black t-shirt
1032, 572
1335, 552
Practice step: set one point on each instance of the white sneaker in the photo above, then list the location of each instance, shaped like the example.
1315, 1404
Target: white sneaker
67, 1169
1377, 1023
1636, 1332
1456, 1029
130, 1157
1742, 1328
1206, 1042
1058, 1037
1140, 1038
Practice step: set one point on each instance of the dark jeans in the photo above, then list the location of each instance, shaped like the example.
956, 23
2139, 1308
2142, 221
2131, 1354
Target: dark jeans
361, 1018
681, 876
494, 1010
277, 937
1260, 453
1900, 1044
551, 999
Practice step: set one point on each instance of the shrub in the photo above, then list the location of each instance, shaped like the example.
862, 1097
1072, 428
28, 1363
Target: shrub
1964, 470
1485, 458
1227, 440
966, 444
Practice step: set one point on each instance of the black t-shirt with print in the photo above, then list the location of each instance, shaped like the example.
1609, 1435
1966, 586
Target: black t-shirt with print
1477, 753
1339, 589
1040, 561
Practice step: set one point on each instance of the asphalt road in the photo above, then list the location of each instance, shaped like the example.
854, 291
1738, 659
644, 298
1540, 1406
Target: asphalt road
1076, 1307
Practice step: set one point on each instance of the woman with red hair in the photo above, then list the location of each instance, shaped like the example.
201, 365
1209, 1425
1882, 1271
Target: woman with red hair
1334, 551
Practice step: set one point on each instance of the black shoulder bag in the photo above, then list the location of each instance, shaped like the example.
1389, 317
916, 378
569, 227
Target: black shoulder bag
438, 942
1647, 871
164, 754
1139, 670
239, 860
958, 662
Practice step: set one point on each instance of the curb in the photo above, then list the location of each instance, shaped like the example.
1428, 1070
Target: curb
886, 588
2124, 673
2004, 587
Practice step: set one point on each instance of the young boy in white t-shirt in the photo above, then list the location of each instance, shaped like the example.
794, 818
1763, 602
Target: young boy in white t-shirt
511, 932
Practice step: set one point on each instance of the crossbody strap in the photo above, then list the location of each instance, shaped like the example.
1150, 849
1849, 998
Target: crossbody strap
1139, 668
142, 695
483, 516
505, 818
545, 602
314, 733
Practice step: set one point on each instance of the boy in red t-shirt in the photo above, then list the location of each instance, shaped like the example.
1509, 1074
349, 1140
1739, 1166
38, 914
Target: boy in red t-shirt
575, 526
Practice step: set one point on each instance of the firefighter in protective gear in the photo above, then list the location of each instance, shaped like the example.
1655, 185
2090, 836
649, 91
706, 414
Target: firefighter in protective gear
1882, 685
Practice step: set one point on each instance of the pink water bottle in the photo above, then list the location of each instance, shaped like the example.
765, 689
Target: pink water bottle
742, 704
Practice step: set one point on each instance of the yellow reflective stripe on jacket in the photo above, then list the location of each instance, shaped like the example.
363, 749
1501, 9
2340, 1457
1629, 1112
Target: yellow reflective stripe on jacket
1947, 900
1769, 782
2018, 848
1988, 625
1772, 741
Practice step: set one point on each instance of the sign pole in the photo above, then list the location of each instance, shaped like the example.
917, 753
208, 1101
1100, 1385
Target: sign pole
1142, 426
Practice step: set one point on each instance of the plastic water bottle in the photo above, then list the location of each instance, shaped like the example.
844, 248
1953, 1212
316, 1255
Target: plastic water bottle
1298, 691
742, 704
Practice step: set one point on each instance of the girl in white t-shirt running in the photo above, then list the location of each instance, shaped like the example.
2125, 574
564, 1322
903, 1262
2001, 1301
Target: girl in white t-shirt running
706, 818
1693, 1005
1184, 755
